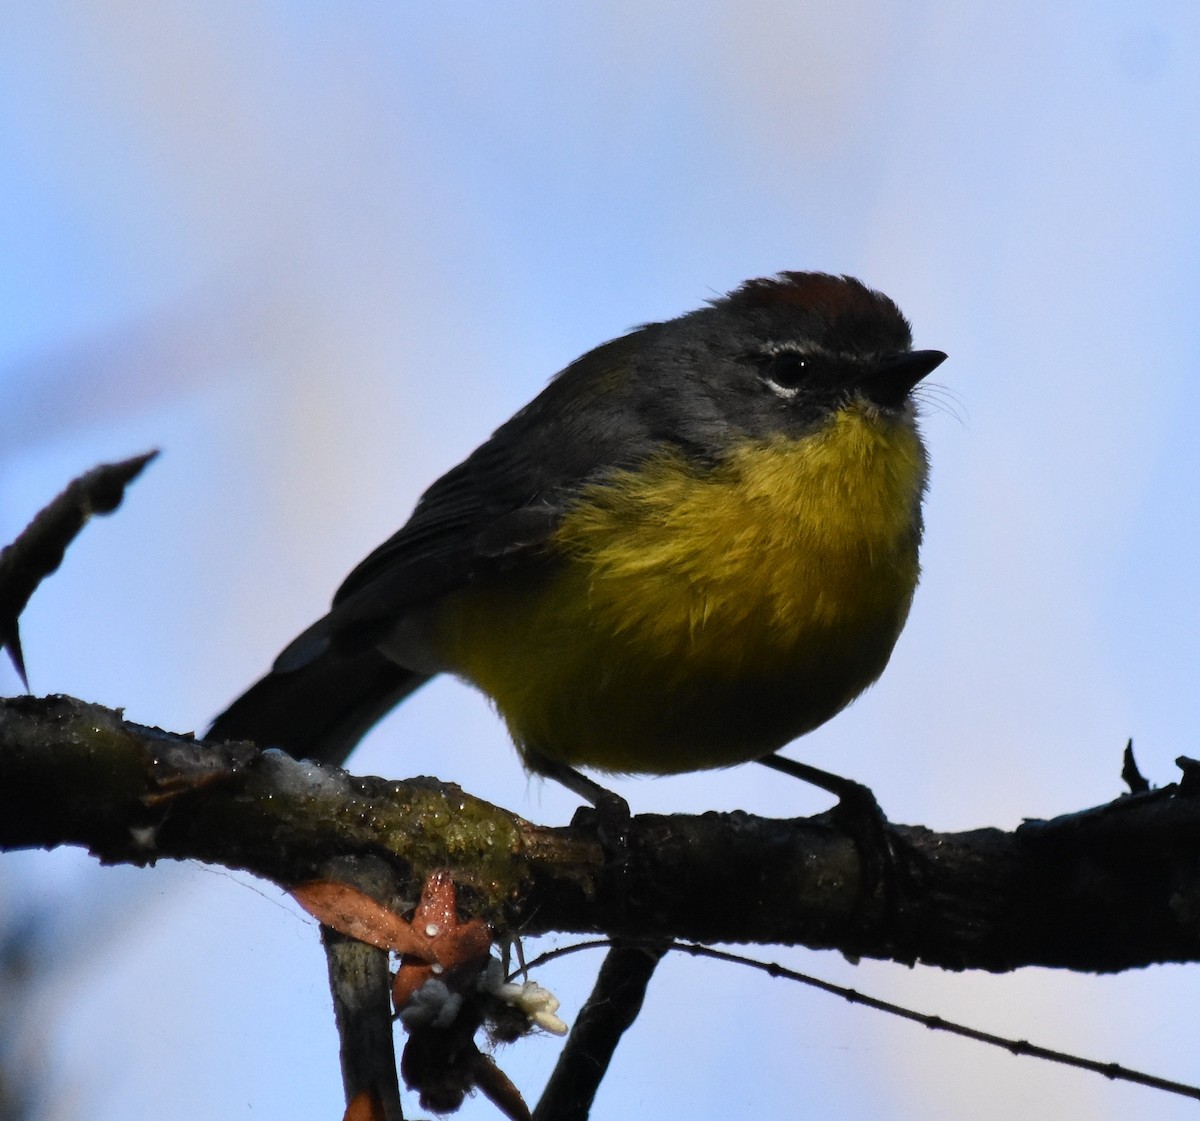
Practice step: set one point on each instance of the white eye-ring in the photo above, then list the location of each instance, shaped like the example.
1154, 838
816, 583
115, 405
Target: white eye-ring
784, 371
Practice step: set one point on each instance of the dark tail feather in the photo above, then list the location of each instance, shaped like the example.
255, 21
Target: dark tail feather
320, 710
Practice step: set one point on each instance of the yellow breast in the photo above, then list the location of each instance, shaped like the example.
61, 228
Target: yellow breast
698, 618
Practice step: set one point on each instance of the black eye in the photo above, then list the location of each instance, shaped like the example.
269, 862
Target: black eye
785, 371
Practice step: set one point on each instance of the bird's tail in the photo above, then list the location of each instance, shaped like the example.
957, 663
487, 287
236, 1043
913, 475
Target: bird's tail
319, 710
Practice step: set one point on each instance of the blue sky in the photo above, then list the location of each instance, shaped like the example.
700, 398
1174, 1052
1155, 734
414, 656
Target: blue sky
316, 252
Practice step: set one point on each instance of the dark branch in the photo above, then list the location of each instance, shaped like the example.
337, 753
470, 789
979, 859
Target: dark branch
609, 1012
40, 548
361, 984
1105, 889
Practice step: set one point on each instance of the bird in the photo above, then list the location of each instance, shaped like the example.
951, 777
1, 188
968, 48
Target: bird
699, 542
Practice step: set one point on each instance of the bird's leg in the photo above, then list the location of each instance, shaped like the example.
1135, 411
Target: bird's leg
612, 814
858, 812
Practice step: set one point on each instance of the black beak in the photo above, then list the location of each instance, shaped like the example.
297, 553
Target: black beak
892, 380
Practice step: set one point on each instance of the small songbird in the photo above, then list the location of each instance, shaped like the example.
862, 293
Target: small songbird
696, 544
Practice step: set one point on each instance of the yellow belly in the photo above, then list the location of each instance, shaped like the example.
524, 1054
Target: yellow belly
686, 621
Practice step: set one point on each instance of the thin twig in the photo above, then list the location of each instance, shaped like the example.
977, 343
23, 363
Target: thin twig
1112, 1071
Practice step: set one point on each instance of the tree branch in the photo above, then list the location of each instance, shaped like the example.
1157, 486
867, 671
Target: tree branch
609, 1012
41, 547
1105, 889
360, 982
